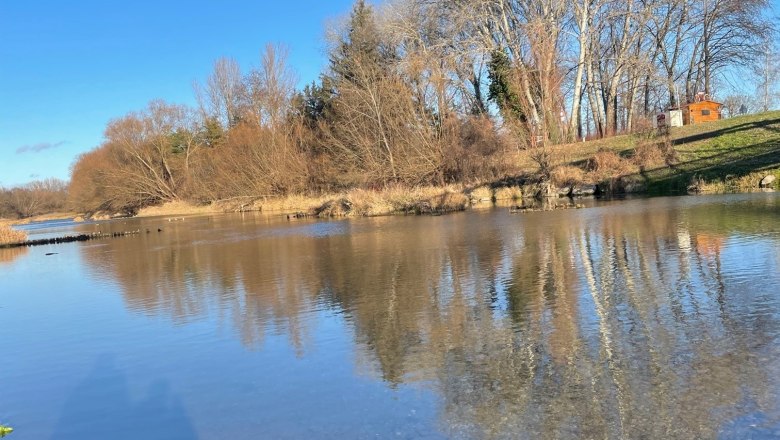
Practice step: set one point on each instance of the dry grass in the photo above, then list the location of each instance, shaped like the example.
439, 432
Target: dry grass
508, 193
734, 184
481, 194
291, 203
368, 203
175, 208
567, 175
11, 236
607, 164
356, 202
649, 154
394, 200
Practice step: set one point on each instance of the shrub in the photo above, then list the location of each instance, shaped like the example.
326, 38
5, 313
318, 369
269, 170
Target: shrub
654, 153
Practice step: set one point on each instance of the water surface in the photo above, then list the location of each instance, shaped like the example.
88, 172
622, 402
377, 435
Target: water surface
653, 318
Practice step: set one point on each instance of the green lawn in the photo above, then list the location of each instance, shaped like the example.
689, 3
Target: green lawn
733, 154
726, 150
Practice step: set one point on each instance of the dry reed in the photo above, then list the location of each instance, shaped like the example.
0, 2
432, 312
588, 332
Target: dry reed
512, 193
481, 194
567, 175
11, 236
608, 164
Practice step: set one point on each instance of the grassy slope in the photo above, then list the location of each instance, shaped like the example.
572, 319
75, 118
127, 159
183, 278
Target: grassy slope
724, 150
727, 150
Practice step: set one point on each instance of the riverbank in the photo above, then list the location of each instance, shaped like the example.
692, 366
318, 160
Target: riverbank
731, 155
358, 202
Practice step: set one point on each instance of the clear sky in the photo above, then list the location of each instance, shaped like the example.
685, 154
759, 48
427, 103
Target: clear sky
68, 67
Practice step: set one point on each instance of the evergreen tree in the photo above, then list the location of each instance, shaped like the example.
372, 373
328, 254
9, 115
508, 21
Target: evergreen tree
501, 87
361, 48
313, 103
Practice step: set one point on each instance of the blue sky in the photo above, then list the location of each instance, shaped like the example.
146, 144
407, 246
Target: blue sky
69, 67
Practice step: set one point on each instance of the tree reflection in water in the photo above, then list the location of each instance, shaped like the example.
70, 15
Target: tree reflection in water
655, 319
11, 254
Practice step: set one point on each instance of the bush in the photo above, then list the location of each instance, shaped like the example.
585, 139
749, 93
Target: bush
472, 150
650, 153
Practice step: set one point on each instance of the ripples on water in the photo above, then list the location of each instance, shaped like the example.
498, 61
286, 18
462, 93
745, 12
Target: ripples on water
645, 319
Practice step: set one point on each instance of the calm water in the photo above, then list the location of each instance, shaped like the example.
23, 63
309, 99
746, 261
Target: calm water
642, 319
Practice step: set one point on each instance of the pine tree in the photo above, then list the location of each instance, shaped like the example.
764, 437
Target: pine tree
361, 48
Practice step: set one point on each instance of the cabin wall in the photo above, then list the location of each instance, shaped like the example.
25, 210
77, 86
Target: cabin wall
699, 112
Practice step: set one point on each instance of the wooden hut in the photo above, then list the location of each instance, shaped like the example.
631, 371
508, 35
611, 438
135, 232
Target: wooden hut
703, 110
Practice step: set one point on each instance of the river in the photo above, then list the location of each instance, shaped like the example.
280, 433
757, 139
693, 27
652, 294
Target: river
652, 318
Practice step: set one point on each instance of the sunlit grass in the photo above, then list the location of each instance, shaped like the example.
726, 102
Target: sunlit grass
9, 235
726, 156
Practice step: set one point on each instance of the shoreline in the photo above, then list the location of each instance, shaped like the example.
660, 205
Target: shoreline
415, 201
343, 205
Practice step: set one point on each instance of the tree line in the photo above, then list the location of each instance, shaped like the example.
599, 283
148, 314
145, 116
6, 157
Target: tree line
423, 92
35, 198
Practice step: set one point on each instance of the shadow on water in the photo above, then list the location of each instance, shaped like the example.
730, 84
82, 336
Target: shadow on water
101, 408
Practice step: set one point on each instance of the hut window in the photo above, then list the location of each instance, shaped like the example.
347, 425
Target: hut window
705, 112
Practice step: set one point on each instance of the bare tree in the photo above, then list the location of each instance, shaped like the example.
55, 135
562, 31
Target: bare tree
767, 71
270, 87
223, 94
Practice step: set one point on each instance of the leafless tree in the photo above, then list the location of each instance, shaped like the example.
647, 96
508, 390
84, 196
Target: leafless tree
270, 87
223, 94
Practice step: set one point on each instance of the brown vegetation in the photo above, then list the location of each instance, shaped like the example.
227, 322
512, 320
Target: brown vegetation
10, 236
651, 153
732, 184
35, 198
408, 101
567, 175
508, 193
606, 164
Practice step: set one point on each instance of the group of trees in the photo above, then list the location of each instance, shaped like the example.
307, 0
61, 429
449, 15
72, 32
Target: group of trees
38, 197
423, 92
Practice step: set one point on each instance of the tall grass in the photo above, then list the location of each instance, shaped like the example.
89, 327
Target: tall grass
394, 200
11, 236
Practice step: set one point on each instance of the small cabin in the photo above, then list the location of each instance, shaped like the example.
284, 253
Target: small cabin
704, 110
